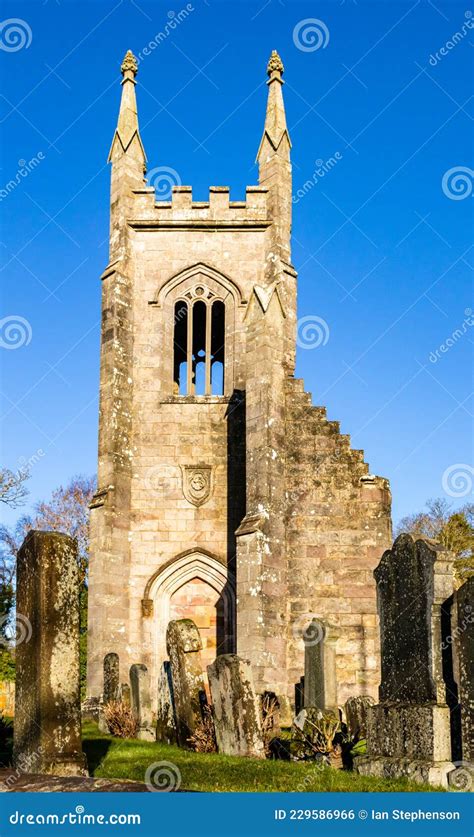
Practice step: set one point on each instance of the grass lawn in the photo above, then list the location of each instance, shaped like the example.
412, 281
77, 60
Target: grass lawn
115, 758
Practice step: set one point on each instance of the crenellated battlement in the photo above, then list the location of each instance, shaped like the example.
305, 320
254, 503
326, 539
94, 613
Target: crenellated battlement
219, 210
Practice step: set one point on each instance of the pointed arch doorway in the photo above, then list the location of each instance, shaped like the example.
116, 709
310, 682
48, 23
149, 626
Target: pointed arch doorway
194, 585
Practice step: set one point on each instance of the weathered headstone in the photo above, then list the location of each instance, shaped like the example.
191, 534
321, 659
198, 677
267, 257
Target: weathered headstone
299, 695
356, 709
47, 730
408, 732
313, 638
165, 722
124, 694
464, 656
236, 707
141, 702
91, 709
111, 677
184, 646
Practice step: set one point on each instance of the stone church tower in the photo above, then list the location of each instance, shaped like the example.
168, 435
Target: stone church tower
224, 495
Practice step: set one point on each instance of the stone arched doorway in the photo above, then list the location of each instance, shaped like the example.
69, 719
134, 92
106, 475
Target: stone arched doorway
195, 585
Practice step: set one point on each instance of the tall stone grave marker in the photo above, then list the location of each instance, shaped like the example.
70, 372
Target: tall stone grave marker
165, 724
184, 646
141, 702
464, 654
47, 730
313, 638
408, 732
236, 707
111, 677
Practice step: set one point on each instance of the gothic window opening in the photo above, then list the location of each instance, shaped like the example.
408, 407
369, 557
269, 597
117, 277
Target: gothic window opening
180, 347
199, 337
217, 347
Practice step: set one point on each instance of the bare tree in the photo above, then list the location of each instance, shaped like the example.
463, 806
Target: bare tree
13, 490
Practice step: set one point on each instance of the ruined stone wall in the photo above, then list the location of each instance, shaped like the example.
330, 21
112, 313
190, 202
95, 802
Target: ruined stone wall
338, 526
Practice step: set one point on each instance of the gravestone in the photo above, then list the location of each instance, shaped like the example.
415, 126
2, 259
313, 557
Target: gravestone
165, 722
184, 646
313, 638
111, 677
299, 695
124, 694
464, 655
47, 729
356, 709
236, 707
141, 702
408, 732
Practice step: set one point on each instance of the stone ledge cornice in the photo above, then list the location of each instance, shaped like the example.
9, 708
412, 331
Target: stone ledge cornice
211, 224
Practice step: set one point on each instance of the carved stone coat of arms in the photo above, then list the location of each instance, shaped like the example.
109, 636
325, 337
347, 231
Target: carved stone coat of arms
197, 483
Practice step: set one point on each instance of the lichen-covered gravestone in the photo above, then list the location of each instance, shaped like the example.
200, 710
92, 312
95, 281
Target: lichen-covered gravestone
124, 694
236, 707
184, 646
409, 732
141, 702
464, 645
111, 677
313, 638
165, 722
356, 709
47, 730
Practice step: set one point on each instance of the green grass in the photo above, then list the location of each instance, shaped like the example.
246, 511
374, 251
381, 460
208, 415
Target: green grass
114, 758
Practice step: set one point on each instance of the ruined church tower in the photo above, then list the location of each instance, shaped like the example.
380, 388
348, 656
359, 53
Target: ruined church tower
223, 495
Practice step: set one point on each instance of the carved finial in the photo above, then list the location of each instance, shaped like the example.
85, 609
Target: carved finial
275, 63
129, 63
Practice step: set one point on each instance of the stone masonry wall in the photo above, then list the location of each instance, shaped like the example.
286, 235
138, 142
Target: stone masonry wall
338, 526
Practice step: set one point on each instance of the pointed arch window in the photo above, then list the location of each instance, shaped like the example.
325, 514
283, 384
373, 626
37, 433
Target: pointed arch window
199, 344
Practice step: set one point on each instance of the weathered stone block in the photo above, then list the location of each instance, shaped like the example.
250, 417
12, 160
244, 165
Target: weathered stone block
356, 709
47, 730
165, 722
236, 707
464, 658
409, 731
111, 677
188, 685
141, 702
413, 579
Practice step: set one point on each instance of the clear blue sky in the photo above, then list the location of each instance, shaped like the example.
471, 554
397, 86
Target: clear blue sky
383, 252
